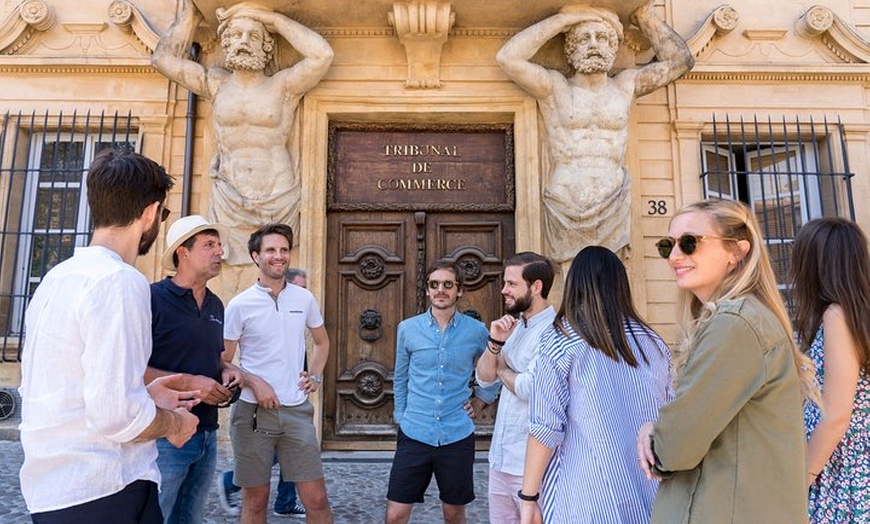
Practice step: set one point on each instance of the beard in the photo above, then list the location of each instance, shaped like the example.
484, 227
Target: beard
595, 63
253, 60
521, 304
149, 236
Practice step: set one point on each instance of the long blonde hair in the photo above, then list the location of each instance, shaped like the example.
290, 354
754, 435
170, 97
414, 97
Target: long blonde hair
753, 275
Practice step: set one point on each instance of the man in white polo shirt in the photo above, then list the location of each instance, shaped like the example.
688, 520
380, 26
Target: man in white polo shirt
267, 323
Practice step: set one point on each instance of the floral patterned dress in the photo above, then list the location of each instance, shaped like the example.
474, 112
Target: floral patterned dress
841, 493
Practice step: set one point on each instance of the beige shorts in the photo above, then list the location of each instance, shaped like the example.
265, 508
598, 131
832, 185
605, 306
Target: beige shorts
286, 433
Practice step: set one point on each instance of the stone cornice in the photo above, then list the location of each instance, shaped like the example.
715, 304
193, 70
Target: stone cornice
29, 17
700, 74
127, 16
60, 66
379, 32
479, 32
365, 32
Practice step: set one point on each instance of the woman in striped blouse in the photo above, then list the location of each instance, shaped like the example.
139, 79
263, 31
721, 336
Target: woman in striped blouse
601, 372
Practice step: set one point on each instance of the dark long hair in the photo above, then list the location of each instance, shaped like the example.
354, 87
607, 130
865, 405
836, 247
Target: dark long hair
597, 304
830, 265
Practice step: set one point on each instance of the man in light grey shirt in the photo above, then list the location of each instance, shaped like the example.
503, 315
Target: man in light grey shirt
510, 359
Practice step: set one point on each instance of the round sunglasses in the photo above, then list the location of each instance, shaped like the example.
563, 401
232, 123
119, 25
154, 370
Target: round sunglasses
434, 284
688, 243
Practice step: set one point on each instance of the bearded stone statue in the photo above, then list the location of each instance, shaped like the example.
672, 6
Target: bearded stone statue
255, 178
586, 115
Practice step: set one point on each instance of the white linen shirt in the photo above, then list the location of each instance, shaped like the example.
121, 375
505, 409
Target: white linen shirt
507, 452
271, 336
88, 331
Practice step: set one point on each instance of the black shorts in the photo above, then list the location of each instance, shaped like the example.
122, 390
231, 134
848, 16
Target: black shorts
415, 462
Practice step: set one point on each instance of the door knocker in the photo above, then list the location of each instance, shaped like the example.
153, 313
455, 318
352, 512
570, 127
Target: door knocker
370, 325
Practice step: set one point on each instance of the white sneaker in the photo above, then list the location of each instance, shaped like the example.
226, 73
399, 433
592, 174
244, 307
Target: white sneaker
229, 501
297, 512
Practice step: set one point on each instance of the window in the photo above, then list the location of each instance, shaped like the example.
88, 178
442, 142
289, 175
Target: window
787, 174
43, 165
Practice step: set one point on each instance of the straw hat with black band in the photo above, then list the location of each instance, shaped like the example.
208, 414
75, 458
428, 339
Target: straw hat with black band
181, 230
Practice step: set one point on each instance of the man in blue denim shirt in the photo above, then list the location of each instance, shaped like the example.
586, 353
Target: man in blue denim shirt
435, 357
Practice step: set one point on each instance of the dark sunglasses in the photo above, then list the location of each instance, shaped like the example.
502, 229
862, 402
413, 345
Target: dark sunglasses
164, 213
688, 244
266, 432
435, 284
236, 391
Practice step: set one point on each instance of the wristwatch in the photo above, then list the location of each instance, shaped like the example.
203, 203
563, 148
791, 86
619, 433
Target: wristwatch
315, 378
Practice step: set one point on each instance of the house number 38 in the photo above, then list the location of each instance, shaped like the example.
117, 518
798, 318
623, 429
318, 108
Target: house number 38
657, 207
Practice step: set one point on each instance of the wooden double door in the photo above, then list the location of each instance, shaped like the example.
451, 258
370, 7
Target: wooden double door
376, 271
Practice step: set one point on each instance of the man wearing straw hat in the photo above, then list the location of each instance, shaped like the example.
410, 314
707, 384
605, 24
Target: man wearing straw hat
187, 330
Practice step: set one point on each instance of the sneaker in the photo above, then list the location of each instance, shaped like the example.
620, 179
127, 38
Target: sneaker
227, 496
297, 511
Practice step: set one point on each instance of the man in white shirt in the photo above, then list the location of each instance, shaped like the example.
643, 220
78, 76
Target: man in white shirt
267, 323
510, 358
88, 421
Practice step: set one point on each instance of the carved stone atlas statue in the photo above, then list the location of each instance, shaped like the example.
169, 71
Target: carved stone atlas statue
586, 115
255, 175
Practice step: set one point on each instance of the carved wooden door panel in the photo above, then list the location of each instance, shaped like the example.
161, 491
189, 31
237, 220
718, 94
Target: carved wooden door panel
398, 198
376, 264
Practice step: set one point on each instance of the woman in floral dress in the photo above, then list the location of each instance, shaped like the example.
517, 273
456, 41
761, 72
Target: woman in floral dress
831, 277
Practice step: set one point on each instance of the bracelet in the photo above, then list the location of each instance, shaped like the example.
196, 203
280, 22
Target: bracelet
489, 347
498, 343
528, 498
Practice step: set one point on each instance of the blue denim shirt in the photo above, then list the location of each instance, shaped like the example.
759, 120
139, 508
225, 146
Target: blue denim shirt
431, 381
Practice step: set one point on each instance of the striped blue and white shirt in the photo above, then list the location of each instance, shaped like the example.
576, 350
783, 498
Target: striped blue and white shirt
589, 408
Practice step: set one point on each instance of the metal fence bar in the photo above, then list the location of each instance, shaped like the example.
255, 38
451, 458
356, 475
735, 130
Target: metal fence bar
8, 209
44, 215
758, 173
801, 164
795, 187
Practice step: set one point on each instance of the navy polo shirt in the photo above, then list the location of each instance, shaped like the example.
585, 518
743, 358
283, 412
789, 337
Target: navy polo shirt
187, 339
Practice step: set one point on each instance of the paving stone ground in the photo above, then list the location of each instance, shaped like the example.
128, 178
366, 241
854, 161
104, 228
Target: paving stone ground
356, 484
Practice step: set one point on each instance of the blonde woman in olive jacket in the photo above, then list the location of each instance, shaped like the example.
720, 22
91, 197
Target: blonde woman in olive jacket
730, 447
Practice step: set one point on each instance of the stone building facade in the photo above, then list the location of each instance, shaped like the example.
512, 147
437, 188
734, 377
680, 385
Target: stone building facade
775, 112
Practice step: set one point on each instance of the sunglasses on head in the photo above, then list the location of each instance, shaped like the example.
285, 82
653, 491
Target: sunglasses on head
435, 284
688, 243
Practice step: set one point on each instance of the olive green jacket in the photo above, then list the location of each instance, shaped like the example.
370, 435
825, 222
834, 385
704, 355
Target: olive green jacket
731, 445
